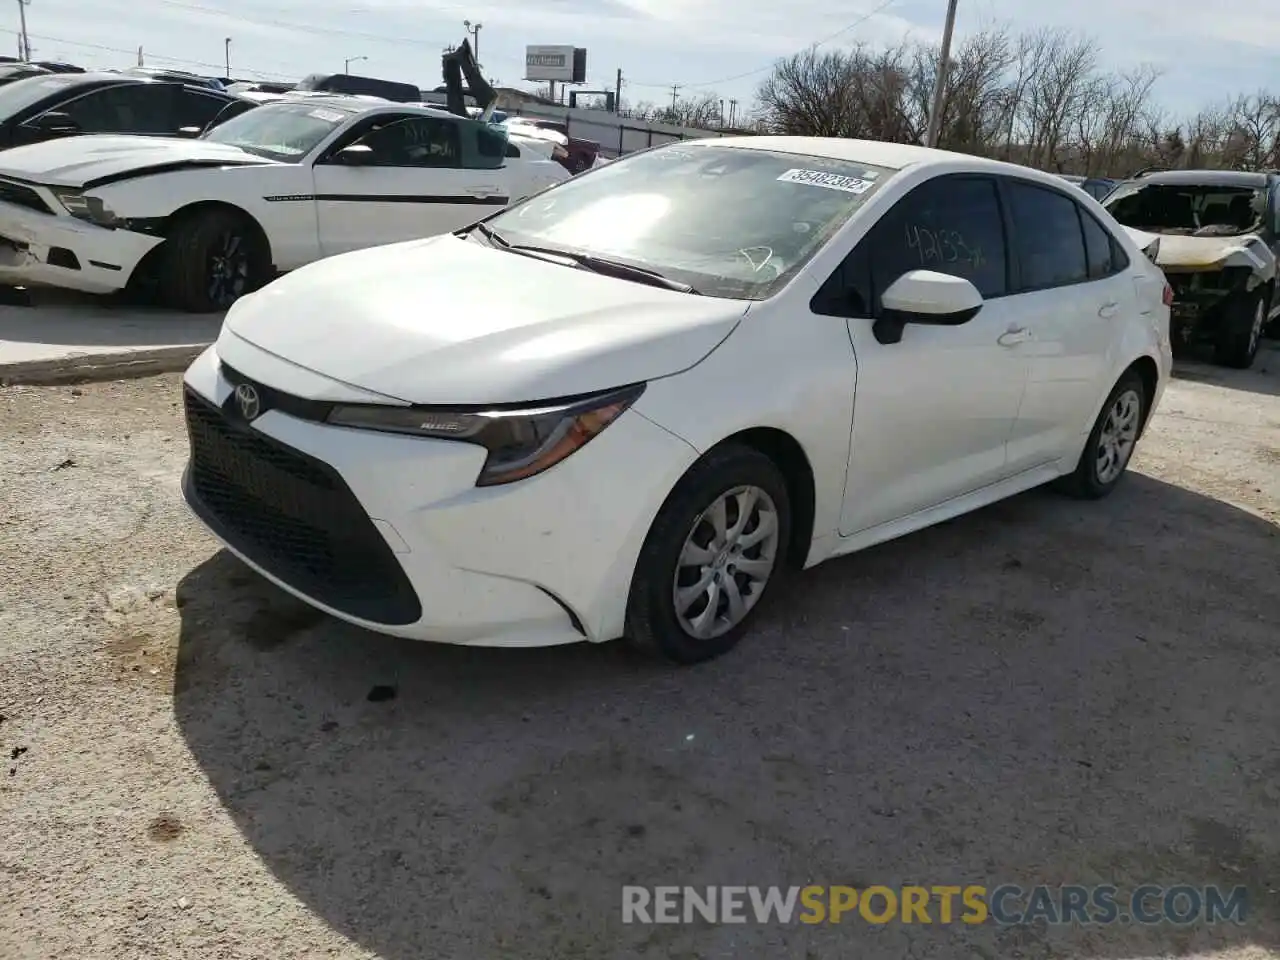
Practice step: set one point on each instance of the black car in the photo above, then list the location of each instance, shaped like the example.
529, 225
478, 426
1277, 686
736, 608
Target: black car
1216, 236
66, 104
12, 72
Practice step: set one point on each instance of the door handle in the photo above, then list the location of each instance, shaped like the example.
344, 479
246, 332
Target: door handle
1108, 310
1014, 336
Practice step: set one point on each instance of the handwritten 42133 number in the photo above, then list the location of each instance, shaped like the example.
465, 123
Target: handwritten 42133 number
943, 247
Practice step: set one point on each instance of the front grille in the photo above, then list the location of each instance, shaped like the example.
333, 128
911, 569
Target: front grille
293, 516
21, 195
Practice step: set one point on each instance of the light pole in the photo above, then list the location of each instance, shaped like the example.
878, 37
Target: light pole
22, 15
346, 64
226, 56
940, 82
474, 31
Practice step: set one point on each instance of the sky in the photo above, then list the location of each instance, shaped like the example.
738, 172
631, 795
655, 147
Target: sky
724, 47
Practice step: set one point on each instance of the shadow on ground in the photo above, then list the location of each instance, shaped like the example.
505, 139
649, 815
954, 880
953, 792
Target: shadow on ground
1263, 377
58, 317
1043, 692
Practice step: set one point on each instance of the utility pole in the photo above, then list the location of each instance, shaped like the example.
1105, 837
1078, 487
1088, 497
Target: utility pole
617, 93
940, 82
226, 55
675, 95
22, 16
722, 124
733, 111
140, 63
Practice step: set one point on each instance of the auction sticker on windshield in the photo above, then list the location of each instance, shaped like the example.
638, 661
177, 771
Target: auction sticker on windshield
832, 181
331, 116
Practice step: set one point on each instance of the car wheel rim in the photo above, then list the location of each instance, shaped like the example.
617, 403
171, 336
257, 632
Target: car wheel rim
726, 562
1119, 435
1259, 321
228, 269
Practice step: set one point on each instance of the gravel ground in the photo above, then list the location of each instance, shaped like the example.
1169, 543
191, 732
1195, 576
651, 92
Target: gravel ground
1043, 692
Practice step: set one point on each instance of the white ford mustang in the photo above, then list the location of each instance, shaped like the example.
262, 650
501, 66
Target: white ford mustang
284, 184
627, 405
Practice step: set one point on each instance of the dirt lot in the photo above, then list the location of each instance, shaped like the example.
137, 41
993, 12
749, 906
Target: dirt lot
1044, 692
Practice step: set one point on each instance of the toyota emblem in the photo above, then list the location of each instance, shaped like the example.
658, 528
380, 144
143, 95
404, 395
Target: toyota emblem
248, 401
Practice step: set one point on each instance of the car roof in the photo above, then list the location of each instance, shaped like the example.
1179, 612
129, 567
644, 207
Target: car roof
894, 156
351, 103
1207, 178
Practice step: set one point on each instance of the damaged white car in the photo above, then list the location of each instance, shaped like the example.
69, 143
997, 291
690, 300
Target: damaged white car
1216, 235
202, 222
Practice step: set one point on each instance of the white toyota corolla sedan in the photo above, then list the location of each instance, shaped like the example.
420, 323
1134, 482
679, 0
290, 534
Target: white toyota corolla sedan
630, 404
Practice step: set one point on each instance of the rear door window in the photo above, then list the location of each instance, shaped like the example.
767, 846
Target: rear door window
1050, 240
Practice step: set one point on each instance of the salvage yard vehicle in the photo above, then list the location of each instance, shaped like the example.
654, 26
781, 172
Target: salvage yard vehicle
205, 221
55, 106
1216, 235
628, 405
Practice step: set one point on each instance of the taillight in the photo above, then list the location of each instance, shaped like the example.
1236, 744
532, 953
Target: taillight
1168, 295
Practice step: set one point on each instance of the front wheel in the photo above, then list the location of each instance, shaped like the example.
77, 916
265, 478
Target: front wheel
717, 546
1112, 441
212, 259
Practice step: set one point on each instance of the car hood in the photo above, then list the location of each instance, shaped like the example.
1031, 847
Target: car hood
84, 161
450, 321
1200, 253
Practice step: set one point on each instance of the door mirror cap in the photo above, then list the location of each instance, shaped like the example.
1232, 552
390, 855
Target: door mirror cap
928, 297
54, 122
355, 155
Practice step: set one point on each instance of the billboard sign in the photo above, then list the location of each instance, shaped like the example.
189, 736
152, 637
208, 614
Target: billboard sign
562, 63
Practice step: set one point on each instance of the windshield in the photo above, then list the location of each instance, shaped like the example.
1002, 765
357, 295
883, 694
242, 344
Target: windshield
727, 221
20, 94
1199, 210
280, 131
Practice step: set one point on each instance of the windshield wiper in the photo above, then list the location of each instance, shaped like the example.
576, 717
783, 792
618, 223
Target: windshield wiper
603, 265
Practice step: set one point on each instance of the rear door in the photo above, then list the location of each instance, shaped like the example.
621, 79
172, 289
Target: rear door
1076, 295
415, 184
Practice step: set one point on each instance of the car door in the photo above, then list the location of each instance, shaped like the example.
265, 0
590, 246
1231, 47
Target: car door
412, 184
933, 412
144, 108
1075, 295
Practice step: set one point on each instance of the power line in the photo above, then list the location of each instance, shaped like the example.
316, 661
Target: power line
303, 27
155, 56
769, 66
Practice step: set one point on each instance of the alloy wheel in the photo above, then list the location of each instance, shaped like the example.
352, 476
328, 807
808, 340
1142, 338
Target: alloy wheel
1118, 436
228, 269
726, 562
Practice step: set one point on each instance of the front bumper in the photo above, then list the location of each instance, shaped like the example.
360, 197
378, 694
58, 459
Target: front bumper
398, 538
55, 250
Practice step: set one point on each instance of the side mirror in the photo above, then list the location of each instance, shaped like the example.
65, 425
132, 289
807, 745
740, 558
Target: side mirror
54, 122
355, 155
928, 297
190, 131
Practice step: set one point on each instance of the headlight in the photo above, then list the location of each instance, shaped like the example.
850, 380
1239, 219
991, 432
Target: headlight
521, 443
89, 209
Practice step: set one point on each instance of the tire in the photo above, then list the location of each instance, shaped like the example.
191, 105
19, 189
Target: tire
1241, 334
732, 475
1090, 481
212, 258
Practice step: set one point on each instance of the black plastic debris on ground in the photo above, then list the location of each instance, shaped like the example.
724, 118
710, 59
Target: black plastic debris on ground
381, 693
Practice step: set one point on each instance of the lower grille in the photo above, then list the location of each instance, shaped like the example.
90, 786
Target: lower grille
21, 195
293, 516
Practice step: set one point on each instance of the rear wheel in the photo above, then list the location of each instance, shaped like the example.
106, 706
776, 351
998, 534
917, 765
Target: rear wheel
1111, 443
1241, 333
716, 548
212, 258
